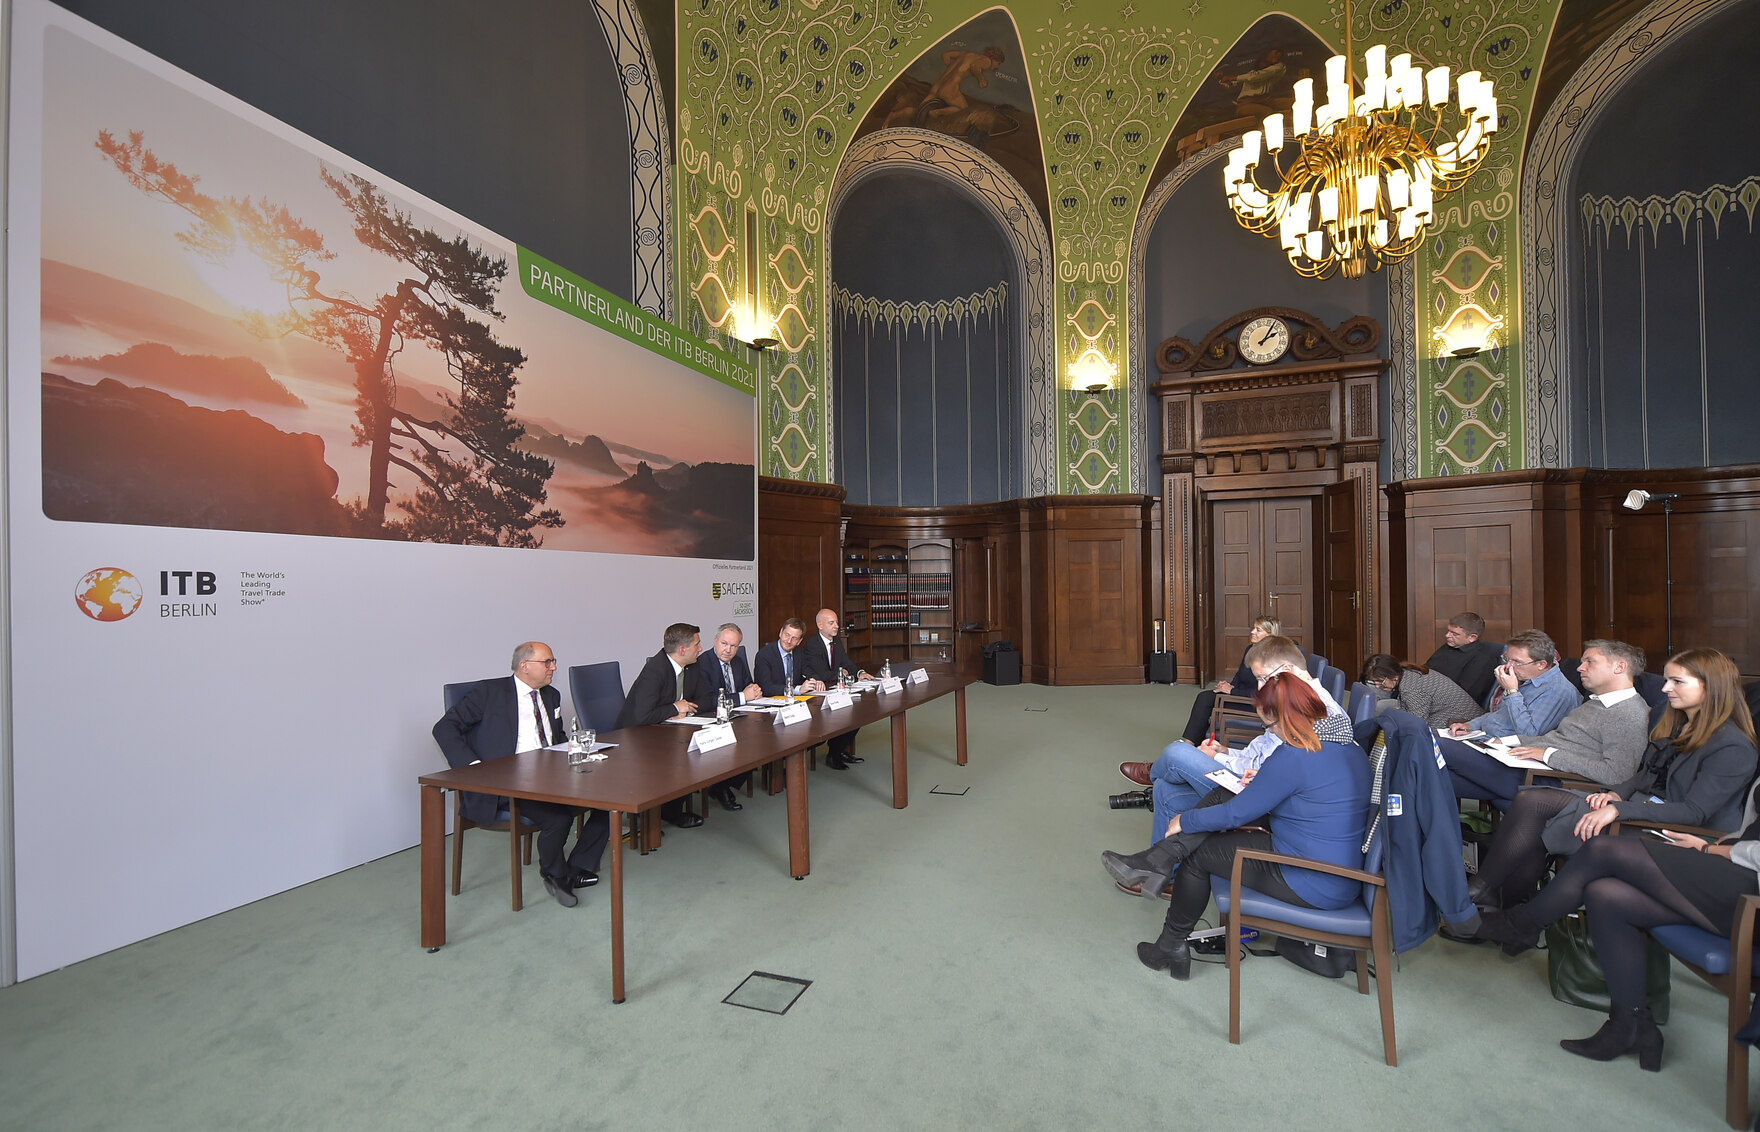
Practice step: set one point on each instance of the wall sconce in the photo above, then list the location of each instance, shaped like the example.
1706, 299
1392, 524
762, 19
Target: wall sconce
1468, 332
745, 331
1092, 372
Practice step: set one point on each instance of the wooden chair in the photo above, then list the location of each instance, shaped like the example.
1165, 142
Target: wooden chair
1363, 926
451, 694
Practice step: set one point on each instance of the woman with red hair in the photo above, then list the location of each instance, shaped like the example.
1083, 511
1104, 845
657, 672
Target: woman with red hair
1314, 796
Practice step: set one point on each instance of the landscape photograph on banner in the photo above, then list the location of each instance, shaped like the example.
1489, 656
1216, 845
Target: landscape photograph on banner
239, 333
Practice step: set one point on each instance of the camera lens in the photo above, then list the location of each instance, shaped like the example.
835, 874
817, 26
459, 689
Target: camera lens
1135, 800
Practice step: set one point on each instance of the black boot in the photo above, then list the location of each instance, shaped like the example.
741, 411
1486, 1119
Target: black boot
1626, 1029
1514, 928
1166, 954
1148, 871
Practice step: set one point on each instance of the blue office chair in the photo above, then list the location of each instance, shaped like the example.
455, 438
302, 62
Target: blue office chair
1316, 664
1363, 926
1335, 683
1362, 703
597, 693
451, 694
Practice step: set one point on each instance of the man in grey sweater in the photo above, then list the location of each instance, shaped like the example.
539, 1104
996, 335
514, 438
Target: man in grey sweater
1604, 737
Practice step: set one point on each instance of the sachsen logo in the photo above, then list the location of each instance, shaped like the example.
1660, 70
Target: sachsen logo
732, 589
108, 593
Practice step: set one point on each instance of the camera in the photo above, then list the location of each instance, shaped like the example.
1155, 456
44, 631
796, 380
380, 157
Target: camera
1143, 799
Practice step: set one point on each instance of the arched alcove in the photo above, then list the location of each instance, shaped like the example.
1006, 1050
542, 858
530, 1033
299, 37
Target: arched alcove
926, 369
1667, 257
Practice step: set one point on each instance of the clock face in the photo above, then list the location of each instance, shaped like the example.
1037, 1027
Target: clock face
1264, 339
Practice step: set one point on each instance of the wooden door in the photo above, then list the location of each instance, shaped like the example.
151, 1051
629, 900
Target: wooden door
1341, 631
1263, 565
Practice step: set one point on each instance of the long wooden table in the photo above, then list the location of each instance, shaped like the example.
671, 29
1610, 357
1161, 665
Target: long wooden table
651, 765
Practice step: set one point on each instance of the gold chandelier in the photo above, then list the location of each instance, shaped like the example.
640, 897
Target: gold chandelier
1372, 166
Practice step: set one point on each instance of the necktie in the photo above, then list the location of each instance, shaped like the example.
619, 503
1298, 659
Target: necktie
788, 670
678, 686
538, 718
727, 675
1497, 698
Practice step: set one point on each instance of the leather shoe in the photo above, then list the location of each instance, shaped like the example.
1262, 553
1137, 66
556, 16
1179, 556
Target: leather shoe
725, 797
685, 820
1136, 772
584, 878
851, 757
836, 762
1175, 960
563, 892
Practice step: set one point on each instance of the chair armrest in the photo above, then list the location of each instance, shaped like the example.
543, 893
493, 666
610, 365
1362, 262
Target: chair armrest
1301, 863
1741, 930
1565, 781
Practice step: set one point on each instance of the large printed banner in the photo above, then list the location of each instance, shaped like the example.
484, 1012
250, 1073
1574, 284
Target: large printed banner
289, 447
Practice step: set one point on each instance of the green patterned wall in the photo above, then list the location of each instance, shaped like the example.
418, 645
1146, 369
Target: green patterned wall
770, 95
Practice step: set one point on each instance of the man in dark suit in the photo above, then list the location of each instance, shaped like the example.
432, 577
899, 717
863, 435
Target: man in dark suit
669, 686
1464, 658
723, 669
523, 712
823, 658
779, 665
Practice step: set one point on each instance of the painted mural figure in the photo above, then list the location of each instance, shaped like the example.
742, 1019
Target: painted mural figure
1257, 83
946, 108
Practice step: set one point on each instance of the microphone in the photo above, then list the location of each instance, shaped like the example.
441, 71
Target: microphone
1638, 497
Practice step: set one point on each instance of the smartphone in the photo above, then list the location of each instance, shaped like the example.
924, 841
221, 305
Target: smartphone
1662, 834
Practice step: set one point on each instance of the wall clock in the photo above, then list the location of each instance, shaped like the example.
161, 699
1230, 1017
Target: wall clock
1264, 339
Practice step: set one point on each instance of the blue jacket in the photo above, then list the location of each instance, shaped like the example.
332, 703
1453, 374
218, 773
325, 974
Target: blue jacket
1421, 828
1534, 708
1318, 802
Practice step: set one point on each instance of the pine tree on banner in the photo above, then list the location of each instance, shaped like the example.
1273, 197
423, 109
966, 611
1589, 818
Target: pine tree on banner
476, 486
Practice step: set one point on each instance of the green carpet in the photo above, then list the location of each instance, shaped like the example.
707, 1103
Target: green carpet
971, 966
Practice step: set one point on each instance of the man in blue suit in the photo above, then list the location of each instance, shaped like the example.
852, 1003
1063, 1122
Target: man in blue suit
523, 712
723, 669
780, 666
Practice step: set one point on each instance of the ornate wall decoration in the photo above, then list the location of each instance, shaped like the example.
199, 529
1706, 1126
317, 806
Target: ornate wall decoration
650, 156
1011, 206
1549, 306
1112, 97
769, 96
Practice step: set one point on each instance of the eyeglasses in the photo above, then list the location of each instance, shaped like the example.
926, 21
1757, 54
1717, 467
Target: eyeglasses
1513, 663
551, 663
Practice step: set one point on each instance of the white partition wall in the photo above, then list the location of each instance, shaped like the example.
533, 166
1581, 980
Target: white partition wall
287, 448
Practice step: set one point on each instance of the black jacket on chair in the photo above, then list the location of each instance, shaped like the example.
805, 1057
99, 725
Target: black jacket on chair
651, 697
484, 725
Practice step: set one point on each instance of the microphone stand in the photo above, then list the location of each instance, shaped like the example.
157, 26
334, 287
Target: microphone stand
1668, 574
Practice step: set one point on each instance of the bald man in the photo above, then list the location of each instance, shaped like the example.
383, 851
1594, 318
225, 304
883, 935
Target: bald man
523, 712
822, 659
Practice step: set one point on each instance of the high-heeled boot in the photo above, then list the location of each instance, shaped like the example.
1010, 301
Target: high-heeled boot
1148, 871
1626, 1029
1514, 928
1169, 953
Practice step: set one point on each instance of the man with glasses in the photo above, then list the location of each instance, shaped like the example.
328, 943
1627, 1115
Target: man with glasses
523, 712
1601, 738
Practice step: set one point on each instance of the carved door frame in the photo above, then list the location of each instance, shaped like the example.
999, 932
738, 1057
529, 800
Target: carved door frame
1289, 428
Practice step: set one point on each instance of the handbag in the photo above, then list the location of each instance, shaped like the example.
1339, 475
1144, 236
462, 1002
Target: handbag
1575, 974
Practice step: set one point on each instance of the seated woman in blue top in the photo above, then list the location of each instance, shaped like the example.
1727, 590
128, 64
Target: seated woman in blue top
1314, 795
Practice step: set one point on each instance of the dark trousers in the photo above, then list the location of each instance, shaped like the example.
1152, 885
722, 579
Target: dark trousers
1198, 723
553, 821
841, 745
1517, 858
1476, 774
1215, 857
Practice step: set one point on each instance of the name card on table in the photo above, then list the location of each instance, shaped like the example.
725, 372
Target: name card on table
713, 736
892, 684
837, 698
797, 712
919, 676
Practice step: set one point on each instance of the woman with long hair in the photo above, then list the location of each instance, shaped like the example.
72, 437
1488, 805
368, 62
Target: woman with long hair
1695, 771
1629, 884
1427, 694
1313, 794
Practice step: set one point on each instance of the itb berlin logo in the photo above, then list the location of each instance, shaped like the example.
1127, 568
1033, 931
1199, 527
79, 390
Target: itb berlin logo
108, 593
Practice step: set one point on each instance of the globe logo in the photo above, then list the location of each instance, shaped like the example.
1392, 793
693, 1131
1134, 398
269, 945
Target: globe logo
108, 594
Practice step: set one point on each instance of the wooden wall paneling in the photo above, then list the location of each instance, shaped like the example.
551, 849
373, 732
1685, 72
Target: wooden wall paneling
800, 554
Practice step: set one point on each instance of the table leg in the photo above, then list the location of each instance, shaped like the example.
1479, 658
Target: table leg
901, 790
799, 864
616, 909
959, 724
433, 868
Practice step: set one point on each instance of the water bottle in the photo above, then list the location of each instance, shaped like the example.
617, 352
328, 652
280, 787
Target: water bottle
886, 669
721, 710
